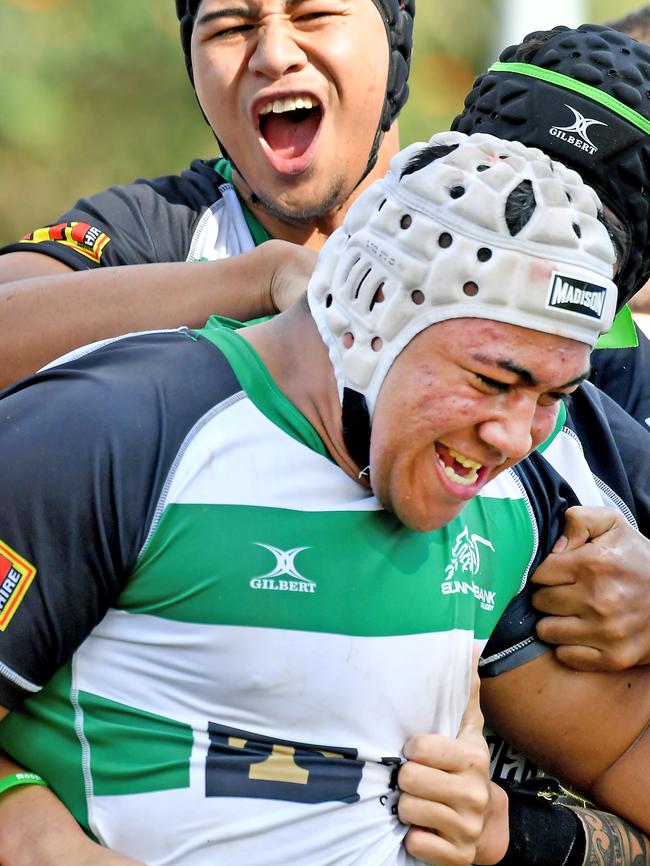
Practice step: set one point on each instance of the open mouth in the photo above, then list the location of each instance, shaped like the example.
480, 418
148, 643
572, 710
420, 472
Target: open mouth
289, 126
458, 468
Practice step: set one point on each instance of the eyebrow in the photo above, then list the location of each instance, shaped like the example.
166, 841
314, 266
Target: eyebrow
245, 9
222, 13
524, 374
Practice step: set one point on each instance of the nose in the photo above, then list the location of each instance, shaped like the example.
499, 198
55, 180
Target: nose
276, 51
516, 426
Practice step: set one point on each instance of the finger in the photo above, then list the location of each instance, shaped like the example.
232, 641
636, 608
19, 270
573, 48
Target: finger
569, 630
431, 815
472, 722
449, 787
557, 569
581, 658
584, 523
433, 752
559, 600
428, 847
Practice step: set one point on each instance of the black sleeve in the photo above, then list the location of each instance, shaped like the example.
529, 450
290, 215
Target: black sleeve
624, 375
513, 641
617, 449
85, 449
141, 222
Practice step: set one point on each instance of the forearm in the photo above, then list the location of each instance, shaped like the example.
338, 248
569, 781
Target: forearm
551, 827
610, 841
45, 316
36, 829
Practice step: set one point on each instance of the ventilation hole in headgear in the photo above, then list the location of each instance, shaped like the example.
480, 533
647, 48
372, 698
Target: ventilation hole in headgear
520, 207
445, 240
348, 340
568, 197
577, 230
417, 297
482, 167
625, 51
349, 267
484, 254
381, 204
494, 115
457, 191
406, 221
376, 344
328, 301
361, 282
613, 73
575, 54
470, 288
378, 297
504, 155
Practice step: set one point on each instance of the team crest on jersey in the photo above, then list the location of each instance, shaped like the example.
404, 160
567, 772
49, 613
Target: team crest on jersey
16, 575
87, 240
466, 563
285, 567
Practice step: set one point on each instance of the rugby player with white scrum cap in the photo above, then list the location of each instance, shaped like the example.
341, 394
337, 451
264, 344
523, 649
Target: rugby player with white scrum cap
280, 580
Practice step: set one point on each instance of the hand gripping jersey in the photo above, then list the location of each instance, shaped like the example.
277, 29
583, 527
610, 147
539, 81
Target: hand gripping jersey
216, 643
197, 216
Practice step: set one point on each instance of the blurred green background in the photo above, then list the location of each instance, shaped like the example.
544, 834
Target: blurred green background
94, 92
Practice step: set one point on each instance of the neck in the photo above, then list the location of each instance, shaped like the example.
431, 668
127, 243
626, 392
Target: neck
313, 232
297, 359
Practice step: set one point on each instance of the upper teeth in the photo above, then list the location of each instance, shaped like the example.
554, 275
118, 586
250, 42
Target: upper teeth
467, 462
292, 103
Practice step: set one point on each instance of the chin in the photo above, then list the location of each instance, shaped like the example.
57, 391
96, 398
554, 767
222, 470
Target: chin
427, 520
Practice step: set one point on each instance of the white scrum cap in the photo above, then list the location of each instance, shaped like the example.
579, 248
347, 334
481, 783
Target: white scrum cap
480, 228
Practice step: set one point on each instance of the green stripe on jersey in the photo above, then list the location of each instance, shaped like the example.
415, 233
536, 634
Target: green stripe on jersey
341, 572
132, 751
260, 388
42, 734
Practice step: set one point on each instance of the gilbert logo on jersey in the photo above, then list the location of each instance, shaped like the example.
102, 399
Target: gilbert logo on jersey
16, 575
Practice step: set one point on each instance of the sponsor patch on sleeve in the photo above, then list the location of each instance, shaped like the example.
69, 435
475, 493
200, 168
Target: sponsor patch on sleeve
16, 575
87, 240
576, 296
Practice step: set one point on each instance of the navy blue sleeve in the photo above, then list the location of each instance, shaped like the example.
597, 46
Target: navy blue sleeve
85, 448
617, 449
138, 223
624, 375
513, 641
617, 452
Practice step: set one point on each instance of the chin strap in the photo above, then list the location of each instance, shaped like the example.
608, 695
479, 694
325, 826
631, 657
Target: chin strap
356, 428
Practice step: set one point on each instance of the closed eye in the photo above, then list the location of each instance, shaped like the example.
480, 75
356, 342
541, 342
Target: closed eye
231, 31
494, 384
556, 397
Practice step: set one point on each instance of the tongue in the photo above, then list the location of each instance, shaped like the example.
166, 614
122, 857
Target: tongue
289, 138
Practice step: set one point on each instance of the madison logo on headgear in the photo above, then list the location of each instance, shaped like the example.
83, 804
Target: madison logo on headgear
16, 575
577, 296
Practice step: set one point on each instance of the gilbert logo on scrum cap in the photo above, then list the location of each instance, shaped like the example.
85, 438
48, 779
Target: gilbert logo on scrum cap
576, 296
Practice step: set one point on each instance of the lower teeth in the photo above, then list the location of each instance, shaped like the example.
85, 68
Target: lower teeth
461, 479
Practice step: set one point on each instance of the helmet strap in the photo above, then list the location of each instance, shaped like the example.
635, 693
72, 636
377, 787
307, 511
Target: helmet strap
356, 428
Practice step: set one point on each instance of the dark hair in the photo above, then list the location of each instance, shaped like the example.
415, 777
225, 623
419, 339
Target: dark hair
636, 23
